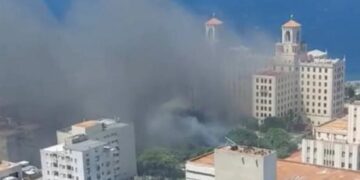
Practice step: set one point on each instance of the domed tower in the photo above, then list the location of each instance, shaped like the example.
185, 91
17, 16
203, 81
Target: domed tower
291, 49
211, 28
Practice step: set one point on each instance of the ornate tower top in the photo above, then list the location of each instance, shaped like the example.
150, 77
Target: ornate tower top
291, 23
291, 31
211, 29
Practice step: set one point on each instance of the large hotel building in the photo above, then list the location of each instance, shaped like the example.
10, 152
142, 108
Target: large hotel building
308, 83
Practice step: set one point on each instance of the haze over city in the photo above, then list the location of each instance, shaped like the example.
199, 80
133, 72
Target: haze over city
177, 89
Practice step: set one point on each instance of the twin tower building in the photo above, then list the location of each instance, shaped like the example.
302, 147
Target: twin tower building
311, 85
302, 82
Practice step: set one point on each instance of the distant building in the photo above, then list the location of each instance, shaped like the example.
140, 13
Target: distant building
19, 141
18, 171
322, 87
233, 163
273, 94
336, 143
82, 159
211, 28
314, 87
106, 137
10, 169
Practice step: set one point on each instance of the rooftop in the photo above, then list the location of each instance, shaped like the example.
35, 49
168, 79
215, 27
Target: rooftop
336, 126
85, 145
317, 53
208, 158
81, 146
320, 61
295, 170
291, 24
214, 22
205, 159
86, 124
109, 123
254, 151
269, 72
291, 168
4, 165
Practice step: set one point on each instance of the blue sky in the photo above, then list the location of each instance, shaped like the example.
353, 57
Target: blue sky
58, 7
328, 24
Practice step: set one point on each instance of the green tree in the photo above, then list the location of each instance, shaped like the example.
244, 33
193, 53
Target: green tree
273, 122
243, 136
279, 140
159, 162
349, 92
250, 123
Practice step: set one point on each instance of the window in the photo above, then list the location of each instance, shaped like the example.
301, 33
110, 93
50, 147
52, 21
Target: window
287, 36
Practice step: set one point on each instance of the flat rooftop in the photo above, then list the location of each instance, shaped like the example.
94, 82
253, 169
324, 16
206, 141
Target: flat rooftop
254, 151
86, 124
292, 168
295, 170
317, 53
81, 146
4, 165
109, 123
268, 73
336, 126
208, 158
205, 159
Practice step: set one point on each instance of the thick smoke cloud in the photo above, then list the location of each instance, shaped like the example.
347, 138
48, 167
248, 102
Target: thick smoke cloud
141, 61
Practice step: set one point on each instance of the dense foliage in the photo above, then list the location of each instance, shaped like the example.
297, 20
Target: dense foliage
243, 136
279, 140
160, 163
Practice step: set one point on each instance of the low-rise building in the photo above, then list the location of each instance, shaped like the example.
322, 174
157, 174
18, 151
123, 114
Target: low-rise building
233, 163
203, 168
19, 171
336, 143
10, 169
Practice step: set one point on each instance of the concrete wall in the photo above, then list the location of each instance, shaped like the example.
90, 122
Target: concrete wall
232, 165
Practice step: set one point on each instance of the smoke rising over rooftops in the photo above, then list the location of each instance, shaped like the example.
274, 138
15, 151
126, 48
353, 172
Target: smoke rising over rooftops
120, 58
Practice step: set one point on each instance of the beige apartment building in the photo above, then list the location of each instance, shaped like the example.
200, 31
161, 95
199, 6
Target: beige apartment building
314, 85
273, 93
336, 143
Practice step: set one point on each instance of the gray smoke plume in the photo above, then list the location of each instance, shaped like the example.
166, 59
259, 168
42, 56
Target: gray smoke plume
140, 60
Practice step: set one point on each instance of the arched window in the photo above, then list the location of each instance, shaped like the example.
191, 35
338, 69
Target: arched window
287, 36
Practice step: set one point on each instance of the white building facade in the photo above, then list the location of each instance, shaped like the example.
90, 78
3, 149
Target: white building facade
110, 133
336, 143
82, 159
233, 163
